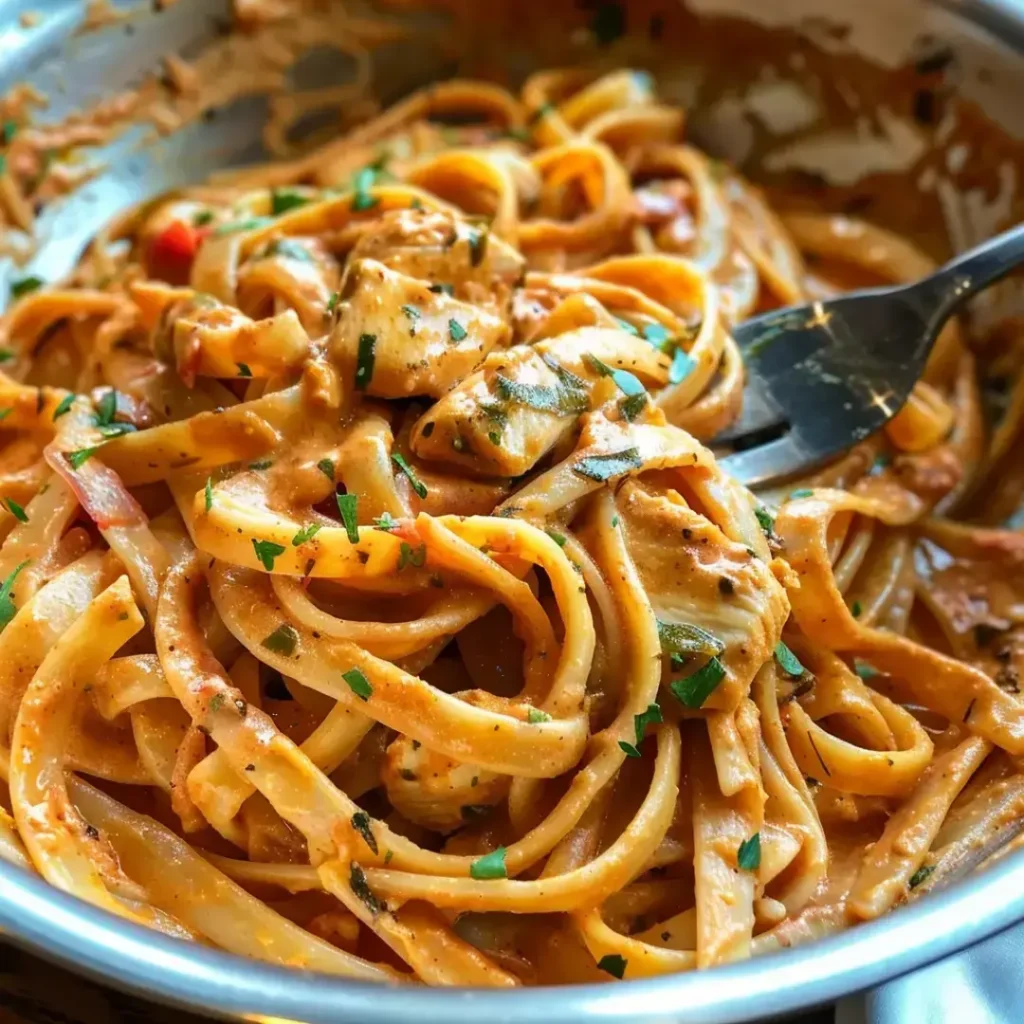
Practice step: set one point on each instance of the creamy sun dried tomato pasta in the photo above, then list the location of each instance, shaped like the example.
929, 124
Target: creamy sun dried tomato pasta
373, 604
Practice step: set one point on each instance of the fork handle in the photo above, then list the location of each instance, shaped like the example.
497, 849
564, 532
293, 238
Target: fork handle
967, 274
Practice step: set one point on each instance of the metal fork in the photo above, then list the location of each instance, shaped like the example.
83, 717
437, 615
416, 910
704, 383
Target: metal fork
824, 376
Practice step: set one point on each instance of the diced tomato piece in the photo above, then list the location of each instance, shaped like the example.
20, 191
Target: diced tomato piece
172, 251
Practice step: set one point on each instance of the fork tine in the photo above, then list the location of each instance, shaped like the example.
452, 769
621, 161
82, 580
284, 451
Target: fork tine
783, 457
760, 413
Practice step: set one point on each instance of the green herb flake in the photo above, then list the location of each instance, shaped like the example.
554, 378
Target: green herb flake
922, 874
535, 715
202, 218
16, 510
284, 199
106, 409
282, 640
216, 702
456, 331
358, 683
347, 506
560, 400
7, 609
4, 413
266, 552
25, 285
361, 823
856, 609
489, 867
681, 367
627, 327
332, 303
64, 407
209, 493
249, 224
803, 492
788, 661
385, 523
656, 334
388, 856
10, 129
640, 722
694, 690
558, 538
365, 360
326, 466
307, 533
243, 370
6, 355
612, 464
748, 856
442, 289
544, 110
494, 437
477, 246
290, 249
77, 458
412, 312
261, 464
615, 521
613, 964
633, 406
685, 638
864, 670
417, 485
364, 180
362, 891
408, 555
765, 520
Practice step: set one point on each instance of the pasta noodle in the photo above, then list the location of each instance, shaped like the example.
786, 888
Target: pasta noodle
360, 525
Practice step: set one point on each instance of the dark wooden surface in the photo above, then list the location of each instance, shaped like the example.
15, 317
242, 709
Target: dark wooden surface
34, 992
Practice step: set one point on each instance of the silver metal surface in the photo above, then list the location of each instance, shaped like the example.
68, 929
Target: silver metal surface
989, 34
838, 371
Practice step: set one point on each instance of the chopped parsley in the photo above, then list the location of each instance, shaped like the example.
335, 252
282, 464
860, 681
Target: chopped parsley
326, 466
681, 367
7, 609
417, 485
656, 334
694, 690
640, 722
25, 285
855, 609
922, 874
249, 224
284, 199
347, 504
290, 249
202, 218
77, 458
864, 670
332, 303
267, 551
604, 467
362, 183
358, 683
627, 327
456, 331
209, 493
106, 409
558, 538
10, 129
765, 520
442, 289
412, 312
65, 406
282, 640
748, 856
408, 555
559, 399
489, 867
803, 492
361, 889
541, 112
243, 370
307, 533
16, 510
535, 715
6, 355
385, 523
613, 964
788, 661
685, 638
477, 246
633, 405
261, 464
361, 823
364, 360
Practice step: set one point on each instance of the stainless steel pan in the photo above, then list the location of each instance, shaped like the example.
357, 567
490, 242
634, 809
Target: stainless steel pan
987, 38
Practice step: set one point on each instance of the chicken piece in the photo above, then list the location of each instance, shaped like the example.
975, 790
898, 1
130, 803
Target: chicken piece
696, 576
426, 341
445, 250
436, 792
503, 419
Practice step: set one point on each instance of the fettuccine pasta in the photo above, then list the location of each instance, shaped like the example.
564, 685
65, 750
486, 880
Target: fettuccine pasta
373, 601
